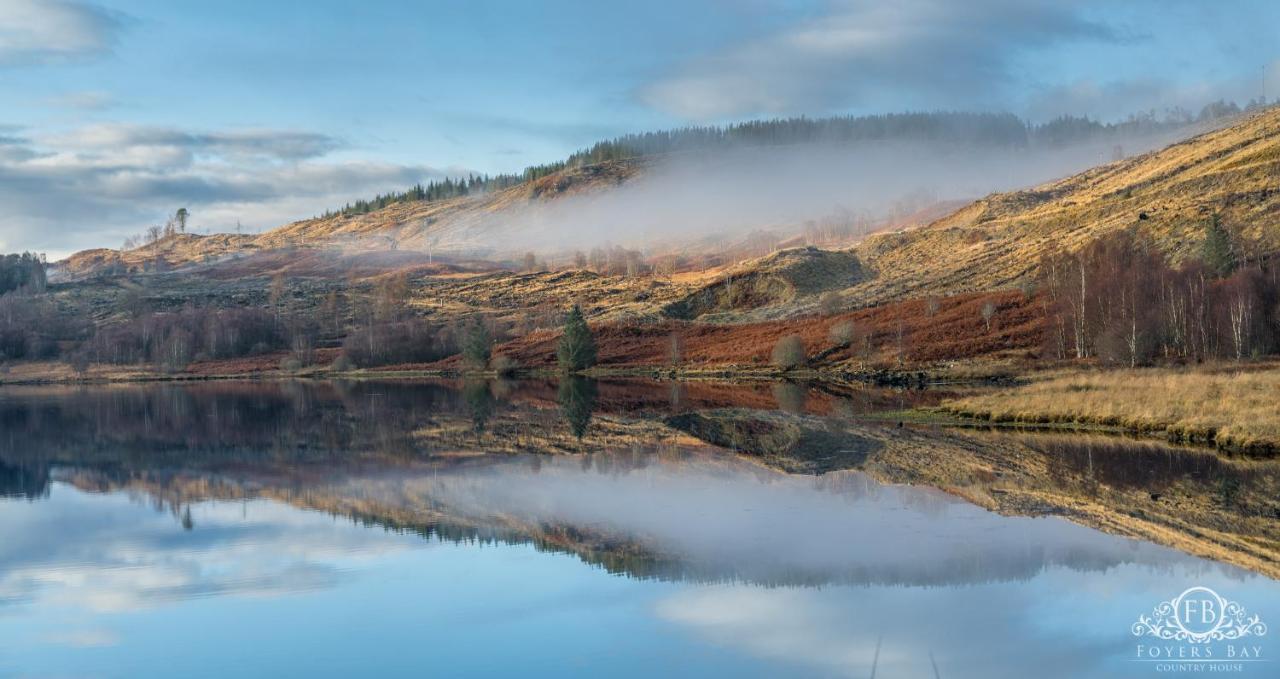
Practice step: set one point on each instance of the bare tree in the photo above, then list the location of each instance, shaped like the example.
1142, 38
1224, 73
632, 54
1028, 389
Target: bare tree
931, 306
275, 294
988, 312
675, 349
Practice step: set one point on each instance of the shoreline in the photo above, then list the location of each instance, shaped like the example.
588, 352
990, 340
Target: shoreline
921, 378
997, 388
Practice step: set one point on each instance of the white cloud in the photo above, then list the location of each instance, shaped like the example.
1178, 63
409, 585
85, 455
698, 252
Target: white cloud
91, 186
1110, 100
923, 52
86, 100
44, 31
273, 144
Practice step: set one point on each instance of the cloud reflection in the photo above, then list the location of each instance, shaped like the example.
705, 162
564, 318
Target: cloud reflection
110, 556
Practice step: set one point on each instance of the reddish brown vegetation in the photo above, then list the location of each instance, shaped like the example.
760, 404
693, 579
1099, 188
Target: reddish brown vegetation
247, 365
955, 330
628, 397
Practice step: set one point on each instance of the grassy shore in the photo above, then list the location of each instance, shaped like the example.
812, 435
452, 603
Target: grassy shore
1237, 410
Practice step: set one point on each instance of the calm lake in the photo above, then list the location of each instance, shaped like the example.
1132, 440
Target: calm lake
596, 529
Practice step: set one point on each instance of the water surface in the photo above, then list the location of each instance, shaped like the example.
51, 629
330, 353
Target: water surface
372, 530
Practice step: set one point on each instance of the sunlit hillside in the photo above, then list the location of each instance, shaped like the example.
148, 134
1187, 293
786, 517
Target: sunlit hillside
1167, 195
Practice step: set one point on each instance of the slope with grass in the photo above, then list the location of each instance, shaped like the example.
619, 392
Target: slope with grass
1167, 196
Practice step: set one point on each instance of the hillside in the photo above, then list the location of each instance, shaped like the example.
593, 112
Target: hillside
916, 294
1167, 195
461, 226
477, 217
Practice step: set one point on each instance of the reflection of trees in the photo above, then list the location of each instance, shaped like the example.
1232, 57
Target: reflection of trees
23, 481
790, 397
1134, 465
480, 402
155, 425
577, 397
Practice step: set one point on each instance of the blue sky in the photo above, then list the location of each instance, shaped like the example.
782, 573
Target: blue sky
115, 113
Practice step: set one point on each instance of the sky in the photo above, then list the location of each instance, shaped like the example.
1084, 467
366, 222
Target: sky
252, 114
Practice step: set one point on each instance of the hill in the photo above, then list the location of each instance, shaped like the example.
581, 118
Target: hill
460, 226
477, 217
401, 285
1167, 196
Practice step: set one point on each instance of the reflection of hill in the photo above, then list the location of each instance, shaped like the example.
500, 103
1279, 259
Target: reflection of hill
420, 456
684, 515
787, 442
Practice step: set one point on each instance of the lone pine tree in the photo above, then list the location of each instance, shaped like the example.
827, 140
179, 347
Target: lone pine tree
577, 350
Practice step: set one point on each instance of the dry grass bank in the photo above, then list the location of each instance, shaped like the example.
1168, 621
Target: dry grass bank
1238, 410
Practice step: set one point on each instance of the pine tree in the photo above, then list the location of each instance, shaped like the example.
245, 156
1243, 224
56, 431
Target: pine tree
1217, 253
577, 350
476, 350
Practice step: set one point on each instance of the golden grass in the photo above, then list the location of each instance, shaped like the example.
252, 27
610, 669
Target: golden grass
1237, 410
1167, 195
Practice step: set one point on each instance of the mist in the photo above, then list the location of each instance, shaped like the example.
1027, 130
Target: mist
726, 195
723, 518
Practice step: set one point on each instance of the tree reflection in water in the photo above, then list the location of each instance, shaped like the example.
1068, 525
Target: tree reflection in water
577, 397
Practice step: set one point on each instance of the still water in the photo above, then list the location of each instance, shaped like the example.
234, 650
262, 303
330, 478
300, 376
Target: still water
415, 530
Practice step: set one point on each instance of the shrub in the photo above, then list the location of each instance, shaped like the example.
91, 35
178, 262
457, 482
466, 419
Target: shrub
841, 334
290, 364
341, 364
789, 352
504, 365
831, 303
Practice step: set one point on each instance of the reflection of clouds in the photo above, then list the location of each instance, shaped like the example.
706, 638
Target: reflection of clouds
729, 519
779, 624
83, 638
837, 630
1015, 629
112, 555
109, 587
